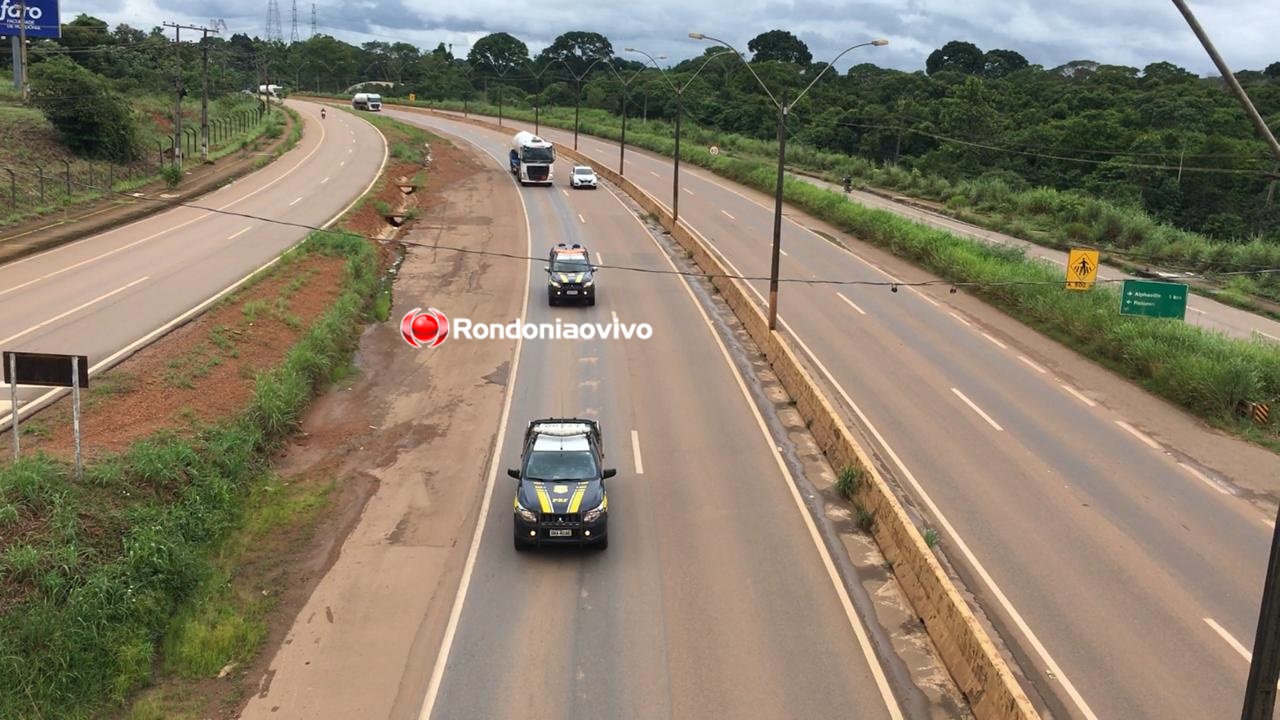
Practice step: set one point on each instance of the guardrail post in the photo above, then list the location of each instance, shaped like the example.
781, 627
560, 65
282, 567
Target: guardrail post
40, 169
66, 164
13, 189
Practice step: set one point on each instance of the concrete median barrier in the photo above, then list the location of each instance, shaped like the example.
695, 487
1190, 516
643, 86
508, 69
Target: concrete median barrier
964, 646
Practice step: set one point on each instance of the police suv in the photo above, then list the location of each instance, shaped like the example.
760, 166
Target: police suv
570, 275
560, 494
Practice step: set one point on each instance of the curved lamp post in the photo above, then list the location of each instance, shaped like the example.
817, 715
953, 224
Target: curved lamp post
577, 103
626, 86
784, 109
679, 93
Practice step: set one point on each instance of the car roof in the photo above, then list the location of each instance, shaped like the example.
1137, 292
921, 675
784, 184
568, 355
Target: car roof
583, 167
571, 443
577, 250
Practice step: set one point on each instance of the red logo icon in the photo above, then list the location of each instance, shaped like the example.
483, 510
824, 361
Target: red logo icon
430, 328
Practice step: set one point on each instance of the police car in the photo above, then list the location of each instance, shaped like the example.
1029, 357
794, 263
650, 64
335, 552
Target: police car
570, 275
560, 494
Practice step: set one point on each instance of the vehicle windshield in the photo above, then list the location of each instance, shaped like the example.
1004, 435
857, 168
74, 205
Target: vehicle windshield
571, 263
539, 155
557, 465
583, 171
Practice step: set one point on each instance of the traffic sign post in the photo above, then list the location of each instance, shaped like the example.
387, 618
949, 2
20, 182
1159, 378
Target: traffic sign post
1153, 299
47, 370
1082, 269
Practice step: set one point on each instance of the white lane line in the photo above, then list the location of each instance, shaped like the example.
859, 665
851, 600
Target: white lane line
977, 409
72, 311
654, 174
324, 181
581, 218
726, 214
614, 313
783, 252
566, 192
342, 164
455, 614
864, 642
295, 202
852, 304
1269, 523
919, 294
1079, 396
688, 191
1138, 434
635, 450
999, 344
966, 322
241, 232
1235, 644
1267, 335
1034, 366
599, 258
1204, 478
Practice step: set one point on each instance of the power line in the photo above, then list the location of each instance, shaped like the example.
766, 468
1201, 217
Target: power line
893, 285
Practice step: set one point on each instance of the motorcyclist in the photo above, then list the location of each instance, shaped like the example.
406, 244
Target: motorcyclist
848, 183
321, 113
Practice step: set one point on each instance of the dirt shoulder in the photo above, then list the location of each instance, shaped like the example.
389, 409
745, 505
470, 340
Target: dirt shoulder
114, 210
419, 426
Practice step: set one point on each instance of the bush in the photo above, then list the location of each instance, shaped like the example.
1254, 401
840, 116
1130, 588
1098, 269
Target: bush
91, 119
172, 175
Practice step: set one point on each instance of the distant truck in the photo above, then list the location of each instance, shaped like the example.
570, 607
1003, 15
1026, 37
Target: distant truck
532, 158
367, 101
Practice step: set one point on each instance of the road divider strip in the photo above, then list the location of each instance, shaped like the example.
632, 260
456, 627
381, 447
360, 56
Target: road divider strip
964, 646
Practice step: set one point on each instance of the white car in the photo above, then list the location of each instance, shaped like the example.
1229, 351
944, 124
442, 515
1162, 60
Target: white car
583, 176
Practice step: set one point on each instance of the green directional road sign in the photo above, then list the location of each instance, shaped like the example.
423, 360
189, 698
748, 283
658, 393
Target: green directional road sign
1153, 299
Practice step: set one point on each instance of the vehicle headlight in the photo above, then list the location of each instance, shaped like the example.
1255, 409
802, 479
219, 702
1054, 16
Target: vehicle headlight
553, 282
526, 514
589, 282
594, 513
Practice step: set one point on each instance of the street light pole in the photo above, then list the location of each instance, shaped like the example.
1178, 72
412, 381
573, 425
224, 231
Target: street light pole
679, 93
784, 108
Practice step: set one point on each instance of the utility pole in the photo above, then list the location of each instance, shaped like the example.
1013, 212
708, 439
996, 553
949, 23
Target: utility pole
22, 45
180, 91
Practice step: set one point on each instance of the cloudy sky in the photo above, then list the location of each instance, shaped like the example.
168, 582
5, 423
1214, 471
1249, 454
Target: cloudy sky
1047, 32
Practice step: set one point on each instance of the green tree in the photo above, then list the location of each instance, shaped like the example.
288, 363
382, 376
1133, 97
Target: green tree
499, 53
779, 45
999, 63
956, 56
578, 49
1272, 70
91, 119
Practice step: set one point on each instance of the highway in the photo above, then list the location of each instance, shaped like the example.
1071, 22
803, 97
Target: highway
713, 599
1124, 574
102, 295
1201, 311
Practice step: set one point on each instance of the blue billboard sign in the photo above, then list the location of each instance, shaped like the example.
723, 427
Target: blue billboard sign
42, 18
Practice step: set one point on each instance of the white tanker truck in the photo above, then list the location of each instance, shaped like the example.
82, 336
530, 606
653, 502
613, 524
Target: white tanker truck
532, 159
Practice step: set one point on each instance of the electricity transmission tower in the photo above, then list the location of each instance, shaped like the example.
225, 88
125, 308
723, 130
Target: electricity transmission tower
274, 31
313, 19
293, 32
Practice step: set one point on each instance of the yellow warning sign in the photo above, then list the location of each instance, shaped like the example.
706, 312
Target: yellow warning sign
1082, 269
413, 97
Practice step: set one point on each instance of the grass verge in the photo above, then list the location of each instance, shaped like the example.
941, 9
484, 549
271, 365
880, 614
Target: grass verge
98, 573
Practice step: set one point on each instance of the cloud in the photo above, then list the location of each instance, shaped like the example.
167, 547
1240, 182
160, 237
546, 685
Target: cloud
1135, 33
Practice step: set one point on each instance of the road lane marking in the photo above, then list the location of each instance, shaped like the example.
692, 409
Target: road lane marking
919, 294
852, 304
1079, 396
241, 232
654, 174
1235, 644
726, 214
599, 258
342, 164
324, 181
966, 322
72, 311
688, 190
783, 252
1138, 434
295, 202
566, 192
999, 344
1034, 366
581, 218
977, 409
455, 613
635, 450
855, 622
1205, 479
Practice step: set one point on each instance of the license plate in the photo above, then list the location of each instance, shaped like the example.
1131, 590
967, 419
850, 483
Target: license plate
570, 292
561, 533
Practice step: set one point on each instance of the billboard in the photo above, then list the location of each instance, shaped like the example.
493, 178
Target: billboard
42, 18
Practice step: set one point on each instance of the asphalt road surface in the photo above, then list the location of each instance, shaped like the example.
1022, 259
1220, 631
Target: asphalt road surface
100, 295
1125, 577
713, 599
